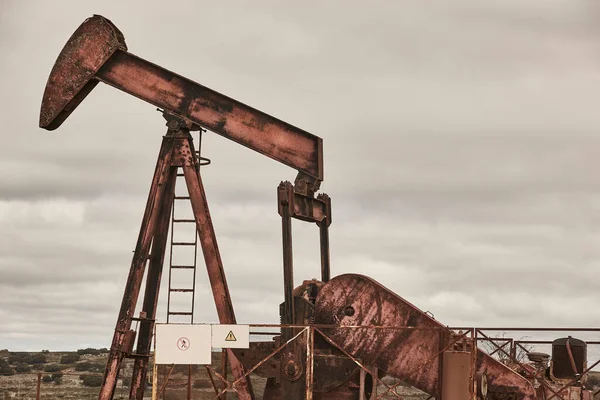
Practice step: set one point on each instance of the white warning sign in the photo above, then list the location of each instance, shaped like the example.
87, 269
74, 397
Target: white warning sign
231, 336
183, 344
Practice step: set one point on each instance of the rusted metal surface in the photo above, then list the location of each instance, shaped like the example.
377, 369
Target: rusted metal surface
38, 386
310, 353
97, 52
412, 355
176, 151
216, 112
136, 272
155, 268
323, 225
73, 74
257, 352
185, 157
285, 197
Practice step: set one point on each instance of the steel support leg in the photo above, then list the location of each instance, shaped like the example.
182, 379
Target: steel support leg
324, 239
185, 154
285, 195
146, 330
136, 272
325, 265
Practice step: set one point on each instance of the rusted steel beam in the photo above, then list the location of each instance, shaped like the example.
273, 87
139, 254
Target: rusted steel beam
159, 245
323, 225
285, 197
324, 244
38, 387
136, 272
97, 52
185, 158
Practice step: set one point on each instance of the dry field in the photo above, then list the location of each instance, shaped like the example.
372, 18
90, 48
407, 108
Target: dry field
62, 378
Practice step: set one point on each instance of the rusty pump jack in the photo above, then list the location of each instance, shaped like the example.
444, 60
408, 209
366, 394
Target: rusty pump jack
96, 52
366, 328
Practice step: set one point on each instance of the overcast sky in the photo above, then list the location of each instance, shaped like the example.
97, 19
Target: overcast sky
460, 147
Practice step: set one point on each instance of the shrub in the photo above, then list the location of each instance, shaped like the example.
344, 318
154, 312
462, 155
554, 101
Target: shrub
45, 351
22, 367
96, 368
82, 366
53, 368
126, 381
91, 380
36, 359
70, 358
91, 351
46, 378
15, 358
5, 369
57, 375
57, 378
104, 350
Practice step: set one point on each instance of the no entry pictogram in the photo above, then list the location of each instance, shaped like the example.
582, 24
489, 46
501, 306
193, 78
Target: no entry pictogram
183, 343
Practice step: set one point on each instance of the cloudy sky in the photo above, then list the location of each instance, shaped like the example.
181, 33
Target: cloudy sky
460, 144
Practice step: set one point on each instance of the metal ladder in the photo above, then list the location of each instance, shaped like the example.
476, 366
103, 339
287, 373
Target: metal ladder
174, 245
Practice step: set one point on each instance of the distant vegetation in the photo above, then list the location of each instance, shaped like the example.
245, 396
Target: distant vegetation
5, 368
53, 368
92, 352
26, 358
56, 378
71, 358
90, 367
91, 380
22, 368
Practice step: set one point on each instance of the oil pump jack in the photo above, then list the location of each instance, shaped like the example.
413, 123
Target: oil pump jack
96, 52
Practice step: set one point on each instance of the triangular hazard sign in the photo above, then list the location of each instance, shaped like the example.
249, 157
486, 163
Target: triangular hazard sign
230, 337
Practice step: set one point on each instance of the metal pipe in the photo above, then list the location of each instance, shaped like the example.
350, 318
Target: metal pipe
310, 348
189, 383
325, 258
38, 387
285, 195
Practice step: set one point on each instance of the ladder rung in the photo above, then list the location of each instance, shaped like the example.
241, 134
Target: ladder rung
183, 266
180, 174
184, 220
184, 243
182, 290
182, 197
179, 313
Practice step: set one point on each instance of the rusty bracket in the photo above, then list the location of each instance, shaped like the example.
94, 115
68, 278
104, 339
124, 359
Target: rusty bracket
298, 201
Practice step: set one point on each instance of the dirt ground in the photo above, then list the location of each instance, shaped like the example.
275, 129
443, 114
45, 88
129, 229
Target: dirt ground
23, 385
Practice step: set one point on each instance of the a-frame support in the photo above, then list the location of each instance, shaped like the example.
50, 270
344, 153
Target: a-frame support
177, 150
